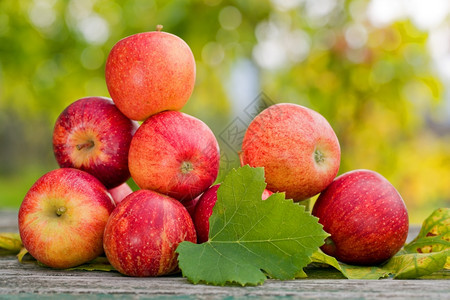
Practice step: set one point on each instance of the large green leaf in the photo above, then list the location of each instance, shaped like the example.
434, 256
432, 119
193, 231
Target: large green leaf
251, 239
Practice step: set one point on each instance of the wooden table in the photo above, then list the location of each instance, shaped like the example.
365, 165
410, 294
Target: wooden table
28, 280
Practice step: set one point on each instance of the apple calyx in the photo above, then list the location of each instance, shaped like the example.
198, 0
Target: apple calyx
186, 167
159, 27
60, 211
88, 145
319, 157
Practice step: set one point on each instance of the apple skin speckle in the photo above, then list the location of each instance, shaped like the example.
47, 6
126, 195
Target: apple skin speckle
365, 216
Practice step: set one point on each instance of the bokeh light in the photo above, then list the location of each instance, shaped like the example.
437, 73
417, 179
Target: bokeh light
378, 70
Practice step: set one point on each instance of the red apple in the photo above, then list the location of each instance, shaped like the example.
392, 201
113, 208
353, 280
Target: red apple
174, 154
150, 72
63, 216
143, 232
266, 193
92, 135
365, 216
204, 209
120, 192
296, 146
190, 205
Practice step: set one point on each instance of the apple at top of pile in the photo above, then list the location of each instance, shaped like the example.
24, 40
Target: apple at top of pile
296, 146
150, 72
92, 135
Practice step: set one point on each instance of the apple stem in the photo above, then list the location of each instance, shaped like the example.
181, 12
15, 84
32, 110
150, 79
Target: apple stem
87, 145
241, 157
60, 211
159, 27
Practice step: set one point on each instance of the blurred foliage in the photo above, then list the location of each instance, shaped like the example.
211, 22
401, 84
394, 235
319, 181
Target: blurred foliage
375, 85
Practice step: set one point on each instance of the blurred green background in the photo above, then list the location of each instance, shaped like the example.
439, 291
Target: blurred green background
378, 70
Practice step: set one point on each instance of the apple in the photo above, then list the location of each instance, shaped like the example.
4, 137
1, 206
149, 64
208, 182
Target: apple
120, 192
204, 209
296, 146
63, 216
175, 154
92, 135
190, 205
143, 232
150, 72
266, 193
365, 216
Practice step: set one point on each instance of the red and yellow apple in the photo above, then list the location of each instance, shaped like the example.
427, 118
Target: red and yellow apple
365, 216
63, 216
174, 154
143, 232
150, 72
92, 135
296, 146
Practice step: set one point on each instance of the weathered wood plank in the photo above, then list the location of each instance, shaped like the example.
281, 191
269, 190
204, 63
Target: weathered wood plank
29, 280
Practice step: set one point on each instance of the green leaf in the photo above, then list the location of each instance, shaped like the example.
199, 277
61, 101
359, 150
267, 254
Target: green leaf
401, 266
10, 243
415, 265
436, 224
350, 271
434, 235
99, 264
251, 239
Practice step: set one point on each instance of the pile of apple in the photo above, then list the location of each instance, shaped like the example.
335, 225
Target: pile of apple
85, 208
69, 216
364, 214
